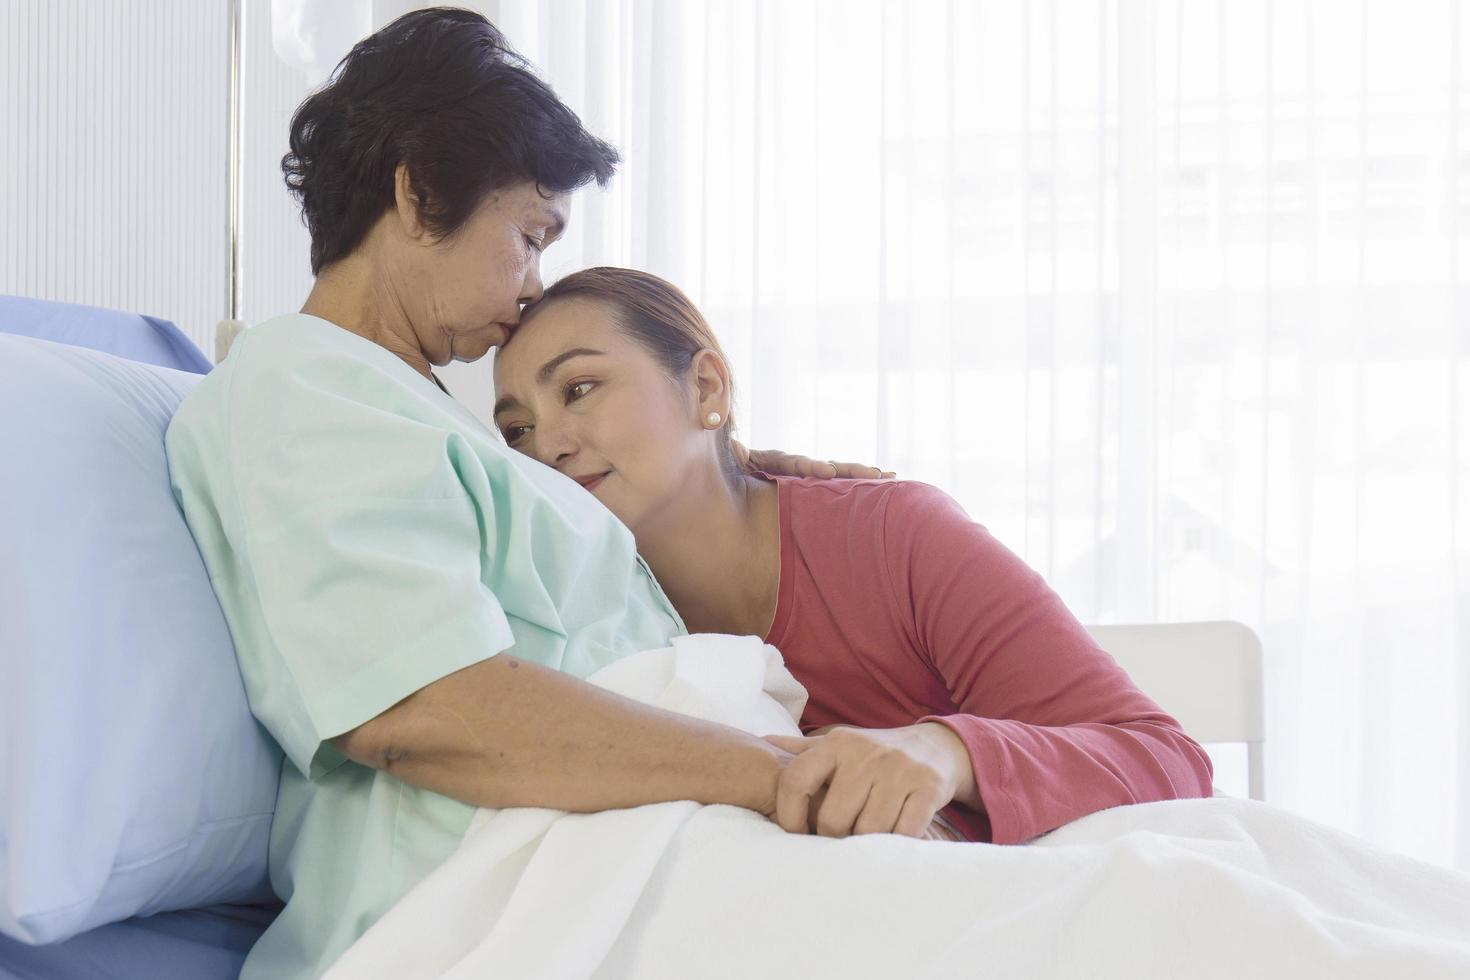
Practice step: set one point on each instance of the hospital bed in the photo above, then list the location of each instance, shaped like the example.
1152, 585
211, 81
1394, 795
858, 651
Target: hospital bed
77, 657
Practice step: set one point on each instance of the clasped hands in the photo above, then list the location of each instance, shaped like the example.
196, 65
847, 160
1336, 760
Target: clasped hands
841, 780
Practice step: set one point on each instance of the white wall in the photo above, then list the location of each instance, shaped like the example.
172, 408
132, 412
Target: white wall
115, 139
112, 156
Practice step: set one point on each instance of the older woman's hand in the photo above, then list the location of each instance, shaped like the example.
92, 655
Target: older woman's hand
871, 780
787, 464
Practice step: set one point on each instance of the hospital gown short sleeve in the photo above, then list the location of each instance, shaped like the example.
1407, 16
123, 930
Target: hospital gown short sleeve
367, 536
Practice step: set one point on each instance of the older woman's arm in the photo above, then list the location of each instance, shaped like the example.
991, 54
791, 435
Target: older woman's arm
352, 550
507, 732
790, 464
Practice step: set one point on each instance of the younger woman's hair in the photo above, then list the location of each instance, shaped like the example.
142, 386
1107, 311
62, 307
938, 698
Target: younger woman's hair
442, 91
658, 315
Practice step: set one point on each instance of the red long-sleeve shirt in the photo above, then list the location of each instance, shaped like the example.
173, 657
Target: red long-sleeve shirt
896, 608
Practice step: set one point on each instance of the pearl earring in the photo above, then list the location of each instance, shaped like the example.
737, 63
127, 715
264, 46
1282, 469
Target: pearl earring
712, 419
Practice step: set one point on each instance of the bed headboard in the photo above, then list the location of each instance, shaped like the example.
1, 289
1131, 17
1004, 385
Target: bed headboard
1206, 674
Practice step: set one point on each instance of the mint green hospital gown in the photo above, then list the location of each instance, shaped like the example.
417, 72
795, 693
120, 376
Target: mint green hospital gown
367, 536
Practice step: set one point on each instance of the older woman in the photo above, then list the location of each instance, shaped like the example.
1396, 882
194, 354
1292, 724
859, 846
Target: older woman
375, 547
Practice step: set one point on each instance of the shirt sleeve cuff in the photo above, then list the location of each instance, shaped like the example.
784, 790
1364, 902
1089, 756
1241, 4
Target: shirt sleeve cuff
452, 647
1000, 821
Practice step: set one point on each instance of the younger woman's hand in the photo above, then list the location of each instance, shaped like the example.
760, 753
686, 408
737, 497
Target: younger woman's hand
870, 780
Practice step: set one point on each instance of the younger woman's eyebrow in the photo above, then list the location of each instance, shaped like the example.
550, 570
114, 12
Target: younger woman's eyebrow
544, 375
503, 404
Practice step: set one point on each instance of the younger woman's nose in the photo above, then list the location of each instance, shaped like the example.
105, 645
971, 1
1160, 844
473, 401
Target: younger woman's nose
555, 442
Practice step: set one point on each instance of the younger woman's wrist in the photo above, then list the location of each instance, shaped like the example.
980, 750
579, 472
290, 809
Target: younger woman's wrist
957, 755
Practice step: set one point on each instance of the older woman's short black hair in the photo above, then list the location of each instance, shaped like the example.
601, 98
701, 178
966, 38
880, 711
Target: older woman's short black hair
443, 92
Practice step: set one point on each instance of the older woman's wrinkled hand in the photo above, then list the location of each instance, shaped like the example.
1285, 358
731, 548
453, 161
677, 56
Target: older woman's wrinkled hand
787, 464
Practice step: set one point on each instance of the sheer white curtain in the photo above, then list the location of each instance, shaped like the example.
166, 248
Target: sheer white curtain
1171, 295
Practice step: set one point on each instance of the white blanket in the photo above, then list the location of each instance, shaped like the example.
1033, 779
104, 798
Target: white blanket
1198, 889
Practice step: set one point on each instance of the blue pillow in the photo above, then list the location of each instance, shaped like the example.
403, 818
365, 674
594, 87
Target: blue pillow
138, 338
133, 778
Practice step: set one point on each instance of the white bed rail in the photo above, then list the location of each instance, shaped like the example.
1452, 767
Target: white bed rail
1205, 674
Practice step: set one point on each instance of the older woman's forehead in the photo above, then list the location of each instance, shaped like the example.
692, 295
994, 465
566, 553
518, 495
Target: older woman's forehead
532, 201
556, 213
525, 200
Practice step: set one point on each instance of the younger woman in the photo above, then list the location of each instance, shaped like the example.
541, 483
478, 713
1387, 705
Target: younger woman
962, 682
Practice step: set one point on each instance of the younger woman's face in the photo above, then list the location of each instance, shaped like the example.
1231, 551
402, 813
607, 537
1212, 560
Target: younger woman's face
579, 394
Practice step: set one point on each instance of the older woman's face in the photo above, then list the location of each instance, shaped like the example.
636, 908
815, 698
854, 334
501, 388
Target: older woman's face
466, 292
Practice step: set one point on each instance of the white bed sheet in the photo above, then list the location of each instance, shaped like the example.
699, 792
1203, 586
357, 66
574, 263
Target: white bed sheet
1201, 888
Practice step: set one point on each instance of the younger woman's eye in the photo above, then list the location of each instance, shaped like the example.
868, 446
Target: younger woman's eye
579, 390
513, 433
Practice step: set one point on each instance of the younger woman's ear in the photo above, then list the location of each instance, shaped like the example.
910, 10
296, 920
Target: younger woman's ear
406, 203
711, 383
